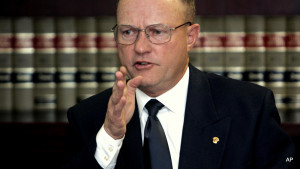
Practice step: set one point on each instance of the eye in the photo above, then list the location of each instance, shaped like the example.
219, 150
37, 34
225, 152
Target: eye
127, 31
155, 31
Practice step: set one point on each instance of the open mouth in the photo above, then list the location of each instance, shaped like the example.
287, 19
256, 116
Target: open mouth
142, 63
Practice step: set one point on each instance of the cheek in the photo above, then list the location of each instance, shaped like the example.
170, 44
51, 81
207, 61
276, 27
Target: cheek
124, 55
179, 43
176, 52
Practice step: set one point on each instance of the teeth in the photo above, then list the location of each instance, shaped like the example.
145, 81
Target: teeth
143, 63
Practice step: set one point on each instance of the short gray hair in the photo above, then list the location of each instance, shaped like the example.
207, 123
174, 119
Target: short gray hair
190, 9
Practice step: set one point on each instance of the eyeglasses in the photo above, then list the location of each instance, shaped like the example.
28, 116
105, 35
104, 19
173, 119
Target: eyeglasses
157, 33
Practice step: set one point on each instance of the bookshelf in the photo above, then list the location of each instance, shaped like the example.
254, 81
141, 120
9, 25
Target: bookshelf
44, 139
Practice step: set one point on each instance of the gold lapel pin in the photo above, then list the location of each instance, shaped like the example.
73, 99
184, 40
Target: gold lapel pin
216, 140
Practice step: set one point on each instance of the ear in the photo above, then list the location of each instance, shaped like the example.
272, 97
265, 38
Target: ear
192, 35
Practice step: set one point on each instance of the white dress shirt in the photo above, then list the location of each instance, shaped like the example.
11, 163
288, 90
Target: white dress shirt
171, 118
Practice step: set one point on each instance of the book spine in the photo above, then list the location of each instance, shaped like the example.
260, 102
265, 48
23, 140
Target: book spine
86, 57
5, 69
234, 46
196, 53
276, 60
293, 69
213, 44
23, 69
108, 61
44, 63
65, 65
255, 49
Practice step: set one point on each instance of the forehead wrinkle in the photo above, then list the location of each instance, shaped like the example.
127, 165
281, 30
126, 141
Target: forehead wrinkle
141, 14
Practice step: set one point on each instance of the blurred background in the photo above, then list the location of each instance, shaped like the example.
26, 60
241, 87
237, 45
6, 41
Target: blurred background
55, 53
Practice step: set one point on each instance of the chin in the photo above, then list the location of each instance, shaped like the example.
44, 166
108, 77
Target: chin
147, 83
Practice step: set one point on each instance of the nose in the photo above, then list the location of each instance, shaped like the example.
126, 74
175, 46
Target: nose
142, 44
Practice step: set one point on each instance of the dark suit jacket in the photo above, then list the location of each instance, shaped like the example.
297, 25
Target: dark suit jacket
242, 115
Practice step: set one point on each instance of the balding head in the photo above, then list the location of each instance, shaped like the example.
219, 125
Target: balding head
190, 9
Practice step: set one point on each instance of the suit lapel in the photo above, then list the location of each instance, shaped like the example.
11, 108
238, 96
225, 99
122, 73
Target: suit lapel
201, 125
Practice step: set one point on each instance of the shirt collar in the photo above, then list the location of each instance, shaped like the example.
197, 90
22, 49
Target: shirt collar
174, 99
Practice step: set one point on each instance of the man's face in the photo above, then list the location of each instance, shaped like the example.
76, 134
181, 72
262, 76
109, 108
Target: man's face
161, 66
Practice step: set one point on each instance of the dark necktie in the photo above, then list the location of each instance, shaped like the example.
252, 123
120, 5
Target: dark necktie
156, 150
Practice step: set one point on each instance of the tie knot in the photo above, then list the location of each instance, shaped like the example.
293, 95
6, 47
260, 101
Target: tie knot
153, 106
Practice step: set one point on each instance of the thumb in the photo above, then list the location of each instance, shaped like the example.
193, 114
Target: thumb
133, 84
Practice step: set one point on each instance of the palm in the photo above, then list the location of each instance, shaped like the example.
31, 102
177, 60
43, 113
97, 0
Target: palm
121, 105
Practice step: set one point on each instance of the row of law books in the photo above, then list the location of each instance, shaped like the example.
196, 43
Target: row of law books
260, 49
48, 64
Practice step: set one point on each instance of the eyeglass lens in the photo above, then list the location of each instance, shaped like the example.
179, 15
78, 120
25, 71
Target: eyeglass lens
155, 33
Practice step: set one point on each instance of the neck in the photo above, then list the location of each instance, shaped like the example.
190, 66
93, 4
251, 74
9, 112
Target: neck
157, 90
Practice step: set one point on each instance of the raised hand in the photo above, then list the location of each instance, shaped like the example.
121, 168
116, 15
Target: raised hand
121, 104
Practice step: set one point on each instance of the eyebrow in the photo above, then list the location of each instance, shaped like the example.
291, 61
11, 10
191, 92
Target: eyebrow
145, 26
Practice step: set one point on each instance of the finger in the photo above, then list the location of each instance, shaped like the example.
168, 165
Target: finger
118, 92
120, 76
124, 71
133, 84
119, 107
118, 88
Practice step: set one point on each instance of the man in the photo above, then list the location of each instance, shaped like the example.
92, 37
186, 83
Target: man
208, 121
